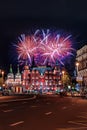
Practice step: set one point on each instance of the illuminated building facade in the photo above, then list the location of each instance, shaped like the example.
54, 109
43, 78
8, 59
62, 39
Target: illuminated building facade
40, 78
26, 76
81, 58
14, 81
10, 77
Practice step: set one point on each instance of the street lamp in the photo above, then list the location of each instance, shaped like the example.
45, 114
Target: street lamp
77, 64
2, 73
63, 72
3, 76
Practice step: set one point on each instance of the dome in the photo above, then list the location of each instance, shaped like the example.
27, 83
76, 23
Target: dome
10, 75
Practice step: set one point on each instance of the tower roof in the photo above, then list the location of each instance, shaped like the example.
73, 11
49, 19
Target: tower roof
11, 71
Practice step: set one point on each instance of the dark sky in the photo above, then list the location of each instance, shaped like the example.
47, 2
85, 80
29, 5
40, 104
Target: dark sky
19, 16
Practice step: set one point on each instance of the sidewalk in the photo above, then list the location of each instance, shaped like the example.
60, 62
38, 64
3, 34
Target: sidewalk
16, 98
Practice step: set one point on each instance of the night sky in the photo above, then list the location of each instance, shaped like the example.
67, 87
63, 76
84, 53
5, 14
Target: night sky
21, 16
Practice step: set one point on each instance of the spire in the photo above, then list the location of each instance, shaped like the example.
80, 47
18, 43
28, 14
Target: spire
11, 71
18, 71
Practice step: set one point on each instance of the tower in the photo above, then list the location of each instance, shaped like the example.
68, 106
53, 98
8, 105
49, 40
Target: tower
18, 76
10, 77
26, 76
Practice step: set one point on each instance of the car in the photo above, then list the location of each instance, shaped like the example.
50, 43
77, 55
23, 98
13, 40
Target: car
75, 94
68, 93
5, 93
49, 93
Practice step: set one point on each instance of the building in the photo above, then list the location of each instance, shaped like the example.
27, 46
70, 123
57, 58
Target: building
10, 77
26, 77
39, 78
43, 78
81, 59
13, 81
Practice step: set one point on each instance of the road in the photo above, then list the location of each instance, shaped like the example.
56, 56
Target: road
44, 113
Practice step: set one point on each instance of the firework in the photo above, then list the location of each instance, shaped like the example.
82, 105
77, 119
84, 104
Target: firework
54, 47
26, 48
44, 47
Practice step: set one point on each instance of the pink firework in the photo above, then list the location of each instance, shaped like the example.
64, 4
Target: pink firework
44, 47
56, 48
26, 48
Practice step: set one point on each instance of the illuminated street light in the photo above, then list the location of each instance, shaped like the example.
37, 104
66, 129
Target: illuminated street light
77, 64
63, 72
3, 77
2, 73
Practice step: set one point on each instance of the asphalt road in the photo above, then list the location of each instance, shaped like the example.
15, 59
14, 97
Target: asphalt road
44, 113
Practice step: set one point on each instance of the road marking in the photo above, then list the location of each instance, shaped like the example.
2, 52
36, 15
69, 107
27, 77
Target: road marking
17, 123
77, 123
2, 105
8, 110
48, 113
33, 106
24, 102
64, 107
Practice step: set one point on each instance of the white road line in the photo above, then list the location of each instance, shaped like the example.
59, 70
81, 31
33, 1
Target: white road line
17, 123
77, 123
24, 102
33, 106
2, 105
64, 107
8, 110
48, 113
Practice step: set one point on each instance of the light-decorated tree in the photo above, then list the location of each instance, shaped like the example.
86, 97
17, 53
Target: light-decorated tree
66, 80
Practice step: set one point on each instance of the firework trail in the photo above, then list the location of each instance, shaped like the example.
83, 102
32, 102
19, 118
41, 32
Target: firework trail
44, 47
54, 47
25, 48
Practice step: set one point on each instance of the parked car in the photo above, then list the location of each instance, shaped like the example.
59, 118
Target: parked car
68, 93
5, 93
75, 94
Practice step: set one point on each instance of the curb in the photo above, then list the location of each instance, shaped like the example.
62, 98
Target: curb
14, 100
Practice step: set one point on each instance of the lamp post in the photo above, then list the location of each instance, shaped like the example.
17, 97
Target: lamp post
77, 64
2, 73
2, 77
63, 72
